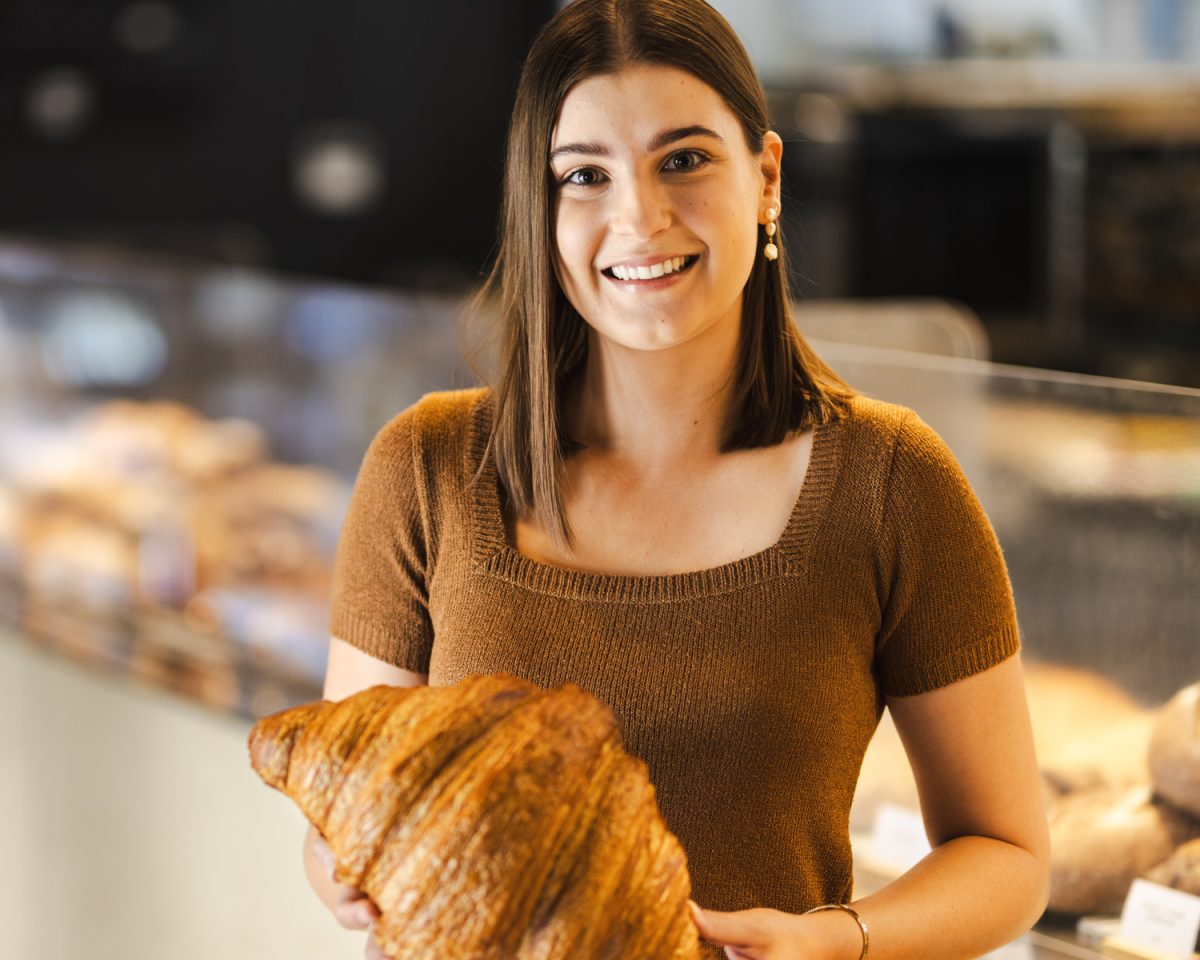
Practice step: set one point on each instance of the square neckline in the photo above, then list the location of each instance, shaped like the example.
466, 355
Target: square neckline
494, 555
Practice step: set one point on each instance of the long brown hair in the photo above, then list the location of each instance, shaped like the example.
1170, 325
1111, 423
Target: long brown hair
780, 384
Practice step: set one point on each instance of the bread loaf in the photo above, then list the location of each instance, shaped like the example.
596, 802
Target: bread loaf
1174, 755
1181, 870
487, 820
1101, 840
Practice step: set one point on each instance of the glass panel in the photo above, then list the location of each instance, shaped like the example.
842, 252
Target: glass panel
1093, 486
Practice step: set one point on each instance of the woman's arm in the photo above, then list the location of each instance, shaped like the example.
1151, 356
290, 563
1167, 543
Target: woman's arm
349, 670
971, 749
985, 883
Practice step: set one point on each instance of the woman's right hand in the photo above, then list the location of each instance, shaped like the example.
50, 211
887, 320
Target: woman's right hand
348, 671
351, 907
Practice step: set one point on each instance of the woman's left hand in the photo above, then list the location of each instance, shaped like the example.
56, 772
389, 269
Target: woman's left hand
763, 934
750, 934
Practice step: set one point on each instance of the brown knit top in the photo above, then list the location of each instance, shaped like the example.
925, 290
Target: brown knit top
750, 689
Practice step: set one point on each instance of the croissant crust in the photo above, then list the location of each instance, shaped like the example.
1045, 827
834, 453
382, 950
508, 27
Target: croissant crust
490, 820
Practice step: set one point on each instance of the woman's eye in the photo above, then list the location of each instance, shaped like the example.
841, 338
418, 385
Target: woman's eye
583, 177
686, 160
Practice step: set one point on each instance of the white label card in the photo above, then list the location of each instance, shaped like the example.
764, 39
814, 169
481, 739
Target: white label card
1017, 950
1161, 918
898, 835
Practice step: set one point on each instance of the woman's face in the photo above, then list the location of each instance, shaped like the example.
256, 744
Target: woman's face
652, 173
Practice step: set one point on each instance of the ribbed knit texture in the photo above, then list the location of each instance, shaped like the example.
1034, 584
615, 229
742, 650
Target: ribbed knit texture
751, 689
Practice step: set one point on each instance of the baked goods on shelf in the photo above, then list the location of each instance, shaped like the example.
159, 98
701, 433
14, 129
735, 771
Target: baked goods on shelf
1111, 753
1121, 795
166, 504
10, 524
152, 512
1175, 750
1181, 870
1112, 750
487, 819
169, 438
270, 523
69, 553
1102, 840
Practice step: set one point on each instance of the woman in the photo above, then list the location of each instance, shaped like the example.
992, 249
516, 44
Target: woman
669, 500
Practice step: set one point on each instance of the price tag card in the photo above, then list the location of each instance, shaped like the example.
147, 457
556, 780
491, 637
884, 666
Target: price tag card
898, 836
1162, 919
1017, 950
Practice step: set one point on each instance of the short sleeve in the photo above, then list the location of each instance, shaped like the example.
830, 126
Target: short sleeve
380, 595
949, 609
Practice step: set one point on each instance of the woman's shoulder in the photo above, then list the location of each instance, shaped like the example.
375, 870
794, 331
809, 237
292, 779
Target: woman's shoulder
445, 417
894, 437
874, 421
423, 459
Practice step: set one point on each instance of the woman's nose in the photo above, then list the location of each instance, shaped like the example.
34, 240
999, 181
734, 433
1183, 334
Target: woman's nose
642, 209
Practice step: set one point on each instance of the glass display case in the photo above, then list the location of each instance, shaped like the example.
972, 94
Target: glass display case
177, 444
1093, 487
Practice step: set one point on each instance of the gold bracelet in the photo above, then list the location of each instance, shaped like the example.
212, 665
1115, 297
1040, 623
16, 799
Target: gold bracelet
846, 908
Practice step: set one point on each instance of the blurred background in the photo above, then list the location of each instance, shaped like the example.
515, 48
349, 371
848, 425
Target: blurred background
236, 238
1035, 161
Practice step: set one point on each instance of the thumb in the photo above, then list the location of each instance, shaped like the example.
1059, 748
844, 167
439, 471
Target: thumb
742, 929
322, 850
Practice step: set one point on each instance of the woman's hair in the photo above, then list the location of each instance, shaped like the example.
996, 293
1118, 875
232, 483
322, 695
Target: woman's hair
780, 384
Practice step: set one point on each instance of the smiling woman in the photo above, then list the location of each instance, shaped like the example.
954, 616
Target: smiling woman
669, 500
638, 191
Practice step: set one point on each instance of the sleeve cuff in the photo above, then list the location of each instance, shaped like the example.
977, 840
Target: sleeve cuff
407, 653
955, 665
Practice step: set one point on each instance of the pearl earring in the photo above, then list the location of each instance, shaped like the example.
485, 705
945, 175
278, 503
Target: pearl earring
770, 251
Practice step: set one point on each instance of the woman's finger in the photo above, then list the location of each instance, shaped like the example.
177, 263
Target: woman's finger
323, 853
743, 930
356, 914
745, 934
373, 952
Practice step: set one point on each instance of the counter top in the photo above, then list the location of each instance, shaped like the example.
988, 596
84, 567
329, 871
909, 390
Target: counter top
136, 828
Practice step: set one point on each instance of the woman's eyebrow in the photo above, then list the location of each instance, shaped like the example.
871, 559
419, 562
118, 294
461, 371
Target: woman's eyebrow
660, 140
682, 133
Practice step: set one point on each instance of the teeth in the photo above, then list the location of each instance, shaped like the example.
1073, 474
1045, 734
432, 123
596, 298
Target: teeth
651, 272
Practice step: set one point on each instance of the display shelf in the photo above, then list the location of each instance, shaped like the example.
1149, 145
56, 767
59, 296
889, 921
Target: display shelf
164, 650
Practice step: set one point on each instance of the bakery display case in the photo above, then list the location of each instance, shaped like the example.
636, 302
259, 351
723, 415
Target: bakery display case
1093, 487
177, 445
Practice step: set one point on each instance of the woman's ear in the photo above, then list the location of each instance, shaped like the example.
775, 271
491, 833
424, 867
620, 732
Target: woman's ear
771, 158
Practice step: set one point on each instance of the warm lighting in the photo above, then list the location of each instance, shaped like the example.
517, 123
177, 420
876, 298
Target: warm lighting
339, 170
60, 102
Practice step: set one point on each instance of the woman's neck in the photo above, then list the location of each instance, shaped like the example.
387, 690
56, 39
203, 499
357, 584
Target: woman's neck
655, 409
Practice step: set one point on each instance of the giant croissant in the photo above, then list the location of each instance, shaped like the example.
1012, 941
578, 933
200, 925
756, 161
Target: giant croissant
490, 820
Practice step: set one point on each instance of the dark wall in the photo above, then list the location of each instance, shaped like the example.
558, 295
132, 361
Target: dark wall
194, 117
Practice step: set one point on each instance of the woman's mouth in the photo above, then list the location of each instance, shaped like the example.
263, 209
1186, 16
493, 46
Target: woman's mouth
655, 274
